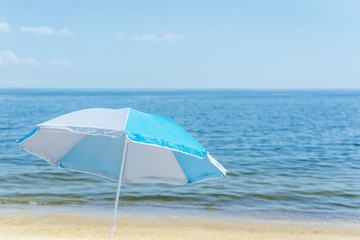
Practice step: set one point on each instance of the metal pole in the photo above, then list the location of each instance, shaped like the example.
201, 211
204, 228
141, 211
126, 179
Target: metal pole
119, 187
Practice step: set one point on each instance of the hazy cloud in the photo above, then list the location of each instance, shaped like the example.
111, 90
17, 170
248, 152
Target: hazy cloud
38, 30
9, 58
4, 27
66, 32
167, 37
171, 37
58, 62
120, 35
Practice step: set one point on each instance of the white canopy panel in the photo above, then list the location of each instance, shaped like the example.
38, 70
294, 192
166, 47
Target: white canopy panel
51, 145
92, 121
148, 163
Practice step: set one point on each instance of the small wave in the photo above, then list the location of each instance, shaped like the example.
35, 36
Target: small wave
344, 205
160, 198
41, 202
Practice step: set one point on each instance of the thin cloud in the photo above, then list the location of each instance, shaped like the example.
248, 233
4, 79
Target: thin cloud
167, 37
171, 37
120, 35
38, 30
9, 58
147, 37
4, 27
66, 32
57, 62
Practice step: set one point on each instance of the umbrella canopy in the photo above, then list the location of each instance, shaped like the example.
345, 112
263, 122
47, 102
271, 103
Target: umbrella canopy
122, 144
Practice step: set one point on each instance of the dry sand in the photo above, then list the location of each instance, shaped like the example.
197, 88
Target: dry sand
75, 226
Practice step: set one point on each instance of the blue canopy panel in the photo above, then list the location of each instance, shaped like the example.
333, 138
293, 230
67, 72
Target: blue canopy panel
158, 130
197, 169
98, 155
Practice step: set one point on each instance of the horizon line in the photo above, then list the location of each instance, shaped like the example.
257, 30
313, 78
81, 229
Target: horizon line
176, 89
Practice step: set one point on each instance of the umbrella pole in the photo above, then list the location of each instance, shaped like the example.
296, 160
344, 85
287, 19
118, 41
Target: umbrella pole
119, 187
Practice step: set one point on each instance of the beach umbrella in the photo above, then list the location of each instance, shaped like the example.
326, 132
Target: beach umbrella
122, 145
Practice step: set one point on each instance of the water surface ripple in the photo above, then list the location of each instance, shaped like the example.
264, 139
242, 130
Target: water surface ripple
286, 150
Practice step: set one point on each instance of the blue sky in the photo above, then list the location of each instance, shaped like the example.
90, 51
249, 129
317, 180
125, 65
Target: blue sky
180, 44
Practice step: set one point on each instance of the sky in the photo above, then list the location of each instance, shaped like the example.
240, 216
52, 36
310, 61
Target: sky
180, 44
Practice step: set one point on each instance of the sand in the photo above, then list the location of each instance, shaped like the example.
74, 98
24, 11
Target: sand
75, 226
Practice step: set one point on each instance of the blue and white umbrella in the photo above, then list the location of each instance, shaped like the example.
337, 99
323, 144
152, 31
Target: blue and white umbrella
122, 144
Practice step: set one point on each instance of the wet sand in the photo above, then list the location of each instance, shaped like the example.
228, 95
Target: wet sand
19, 225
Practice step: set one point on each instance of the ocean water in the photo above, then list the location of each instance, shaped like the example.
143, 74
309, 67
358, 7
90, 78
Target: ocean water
288, 152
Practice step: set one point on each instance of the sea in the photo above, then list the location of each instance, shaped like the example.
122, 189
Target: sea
291, 154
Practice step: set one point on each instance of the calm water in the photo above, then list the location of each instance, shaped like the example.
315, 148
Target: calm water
287, 151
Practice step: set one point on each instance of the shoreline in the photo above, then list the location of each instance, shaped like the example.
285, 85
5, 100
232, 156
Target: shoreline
157, 211
38, 222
